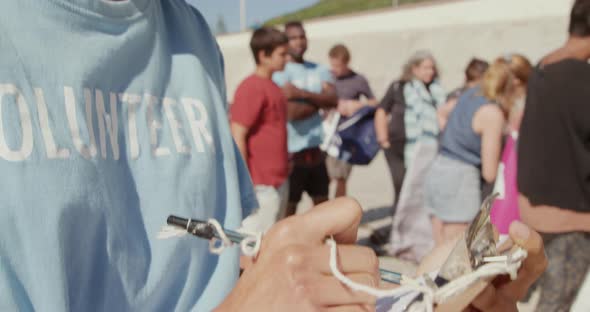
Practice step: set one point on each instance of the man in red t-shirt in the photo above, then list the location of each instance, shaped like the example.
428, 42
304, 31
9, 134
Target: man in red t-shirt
258, 125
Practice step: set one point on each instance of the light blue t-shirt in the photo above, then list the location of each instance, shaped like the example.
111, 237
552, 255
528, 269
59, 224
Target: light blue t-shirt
112, 117
306, 133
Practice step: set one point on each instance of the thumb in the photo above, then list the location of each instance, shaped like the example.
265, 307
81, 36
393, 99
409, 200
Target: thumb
533, 266
528, 239
339, 217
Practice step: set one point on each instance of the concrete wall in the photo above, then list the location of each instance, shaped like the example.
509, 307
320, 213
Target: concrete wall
454, 31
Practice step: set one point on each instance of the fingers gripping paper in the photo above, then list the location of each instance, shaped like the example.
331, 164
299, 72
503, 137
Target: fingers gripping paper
474, 261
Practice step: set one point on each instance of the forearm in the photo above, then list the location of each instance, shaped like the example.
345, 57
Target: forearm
491, 148
242, 146
356, 105
348, 108
548, 219
372, 102
321, 100
490, 160
299, 111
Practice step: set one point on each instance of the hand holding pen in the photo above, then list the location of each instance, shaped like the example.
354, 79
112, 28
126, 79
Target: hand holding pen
292, 273
208, 231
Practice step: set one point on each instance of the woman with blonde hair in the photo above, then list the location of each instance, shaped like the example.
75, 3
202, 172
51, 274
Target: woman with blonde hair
471, 145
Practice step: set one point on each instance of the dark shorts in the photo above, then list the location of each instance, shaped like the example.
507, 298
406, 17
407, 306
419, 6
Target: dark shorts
310, 177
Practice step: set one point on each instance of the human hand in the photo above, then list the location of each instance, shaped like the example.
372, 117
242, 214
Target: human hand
503, 294
344, 107
347, 108
292, 273
384, 144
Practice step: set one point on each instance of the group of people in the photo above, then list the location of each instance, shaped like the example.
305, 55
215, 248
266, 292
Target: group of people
113, 117
278, 116
540, 108
467, 126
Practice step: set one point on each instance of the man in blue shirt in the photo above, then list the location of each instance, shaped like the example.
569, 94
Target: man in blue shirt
309, 88
112, 117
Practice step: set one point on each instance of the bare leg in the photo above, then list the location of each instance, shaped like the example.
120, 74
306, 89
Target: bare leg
340, 188
451, 231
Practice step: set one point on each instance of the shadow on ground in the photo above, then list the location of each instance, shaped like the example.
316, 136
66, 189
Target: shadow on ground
376, 214
377, 225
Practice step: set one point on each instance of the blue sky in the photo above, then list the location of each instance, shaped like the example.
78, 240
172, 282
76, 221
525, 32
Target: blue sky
257, 11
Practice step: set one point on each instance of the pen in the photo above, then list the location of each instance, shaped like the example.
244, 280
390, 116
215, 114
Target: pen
204, 230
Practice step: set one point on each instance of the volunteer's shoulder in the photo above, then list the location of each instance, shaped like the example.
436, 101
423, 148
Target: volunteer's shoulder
185, 19
189, 33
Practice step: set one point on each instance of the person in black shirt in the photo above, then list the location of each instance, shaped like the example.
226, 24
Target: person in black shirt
554, 162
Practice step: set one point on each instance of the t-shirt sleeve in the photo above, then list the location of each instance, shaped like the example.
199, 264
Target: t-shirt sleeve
280, 78
247, 194
325, 74
365, 89
389, 99
248, 105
